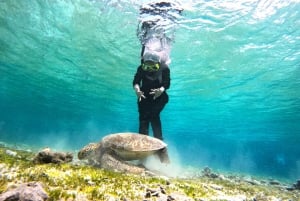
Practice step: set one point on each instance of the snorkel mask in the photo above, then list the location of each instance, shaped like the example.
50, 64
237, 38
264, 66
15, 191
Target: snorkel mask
151, 62
150, 67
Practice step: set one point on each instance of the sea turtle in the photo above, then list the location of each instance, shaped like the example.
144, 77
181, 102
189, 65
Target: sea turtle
115, 150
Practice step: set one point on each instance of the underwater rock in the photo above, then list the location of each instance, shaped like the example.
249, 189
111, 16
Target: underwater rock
252, 181
232, 198
274, 182
11, 153
177, 196
297, 185
161, 195
48, 156
207, 172
216, 187
263, 197
25, 192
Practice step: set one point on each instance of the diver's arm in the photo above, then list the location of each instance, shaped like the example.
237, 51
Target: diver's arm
136, 84
137, 77
166, 80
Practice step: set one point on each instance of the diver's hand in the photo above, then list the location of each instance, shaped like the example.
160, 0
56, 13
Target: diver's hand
140, 95
138, 92
157, 92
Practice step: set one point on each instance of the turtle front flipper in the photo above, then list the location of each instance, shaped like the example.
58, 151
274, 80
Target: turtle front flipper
163, 156
110, 161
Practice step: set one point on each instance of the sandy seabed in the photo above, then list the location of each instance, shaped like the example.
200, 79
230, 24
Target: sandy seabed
76, 181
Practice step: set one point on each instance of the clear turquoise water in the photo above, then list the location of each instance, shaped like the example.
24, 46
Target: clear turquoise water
66, 69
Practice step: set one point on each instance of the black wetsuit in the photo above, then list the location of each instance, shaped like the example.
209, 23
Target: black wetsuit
149, 109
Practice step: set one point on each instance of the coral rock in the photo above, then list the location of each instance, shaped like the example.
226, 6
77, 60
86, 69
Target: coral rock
25, 192
48, 156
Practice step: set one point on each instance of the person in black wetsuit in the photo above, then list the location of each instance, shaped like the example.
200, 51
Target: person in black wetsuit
152, 77
150, 82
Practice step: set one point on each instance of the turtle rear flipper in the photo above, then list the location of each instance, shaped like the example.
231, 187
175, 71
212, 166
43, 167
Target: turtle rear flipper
163, 156
110, 161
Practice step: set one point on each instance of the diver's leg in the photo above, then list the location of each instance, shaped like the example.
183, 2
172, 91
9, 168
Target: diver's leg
144, 127
143, 117
156, 127
158, 106
157, 132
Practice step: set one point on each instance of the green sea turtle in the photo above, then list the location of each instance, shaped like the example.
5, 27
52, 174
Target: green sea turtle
115, 150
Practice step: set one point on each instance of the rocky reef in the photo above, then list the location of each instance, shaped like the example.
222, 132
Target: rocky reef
73, 181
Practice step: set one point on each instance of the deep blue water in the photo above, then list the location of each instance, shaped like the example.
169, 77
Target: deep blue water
66, 70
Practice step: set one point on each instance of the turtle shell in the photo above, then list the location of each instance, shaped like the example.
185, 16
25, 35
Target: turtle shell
132, 146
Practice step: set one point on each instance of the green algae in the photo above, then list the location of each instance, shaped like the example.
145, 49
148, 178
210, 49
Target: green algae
72, 181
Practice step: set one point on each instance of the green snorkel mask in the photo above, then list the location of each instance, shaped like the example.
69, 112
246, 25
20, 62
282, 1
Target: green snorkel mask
151, 62
150, 67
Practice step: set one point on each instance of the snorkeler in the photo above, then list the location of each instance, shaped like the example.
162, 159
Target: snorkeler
152, 77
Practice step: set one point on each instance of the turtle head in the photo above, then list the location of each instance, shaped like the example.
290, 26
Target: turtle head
89, 151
